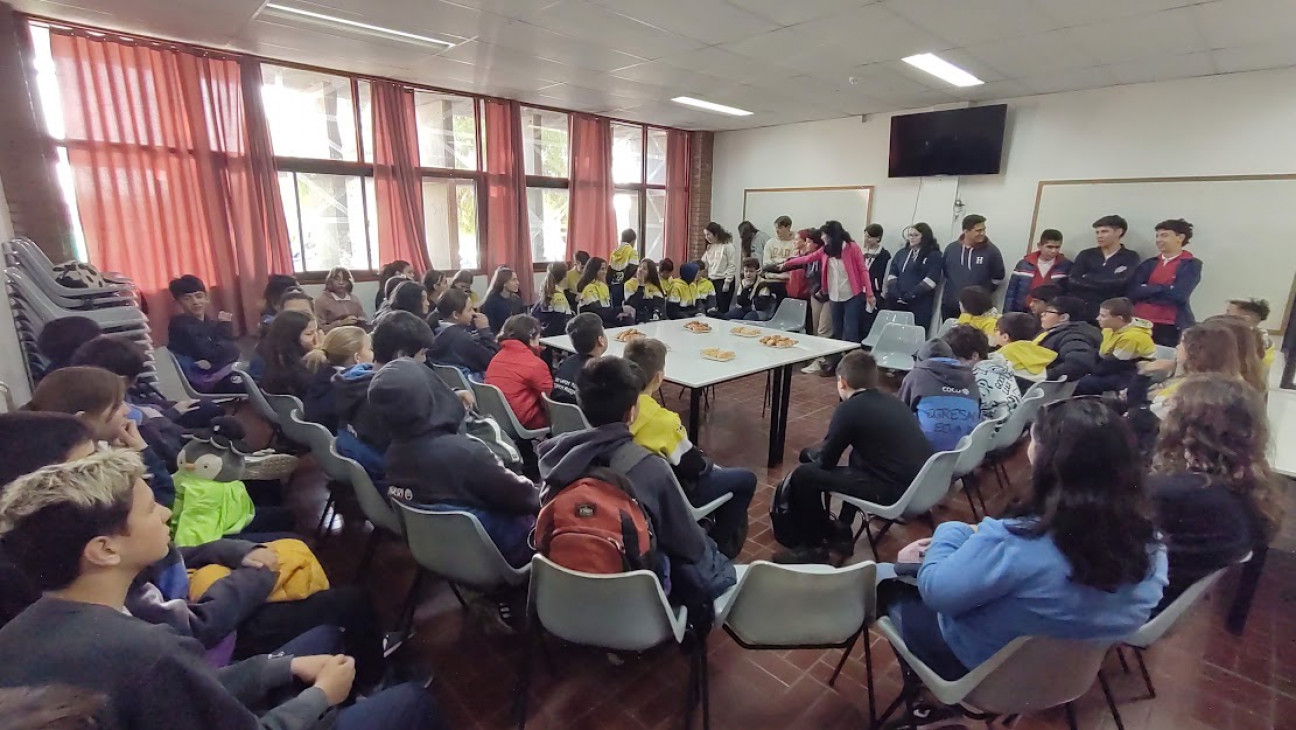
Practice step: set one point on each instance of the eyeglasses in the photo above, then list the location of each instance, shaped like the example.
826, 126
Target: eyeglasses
1051, 311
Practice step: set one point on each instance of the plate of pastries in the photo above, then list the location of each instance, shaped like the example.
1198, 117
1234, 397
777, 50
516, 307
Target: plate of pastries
777, 341
718, 354
629, 335
698, 327
742, 331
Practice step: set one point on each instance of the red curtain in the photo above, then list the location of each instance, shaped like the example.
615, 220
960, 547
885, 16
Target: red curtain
591, 218
170, 178
508, 235
398, 186
677, 195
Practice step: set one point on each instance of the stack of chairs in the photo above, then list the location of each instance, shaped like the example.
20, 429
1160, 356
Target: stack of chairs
37, 298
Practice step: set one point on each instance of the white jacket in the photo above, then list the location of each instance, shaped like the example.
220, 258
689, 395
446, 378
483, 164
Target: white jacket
721, 260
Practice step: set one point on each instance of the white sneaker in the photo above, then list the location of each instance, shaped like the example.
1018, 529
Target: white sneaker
813, 368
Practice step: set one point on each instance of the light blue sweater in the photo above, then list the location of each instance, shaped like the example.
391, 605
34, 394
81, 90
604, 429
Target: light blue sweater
991, 586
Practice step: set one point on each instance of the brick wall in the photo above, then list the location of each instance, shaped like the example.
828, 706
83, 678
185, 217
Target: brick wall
702, 145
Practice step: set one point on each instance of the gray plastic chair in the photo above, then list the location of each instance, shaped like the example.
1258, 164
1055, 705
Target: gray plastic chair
564, 417
946, 326
171, 377
490, 400
25, 253
1010, 432
896, 348
1030, 674
927, 490
373, 504
1166, 353
789, 317
972, 452
318, 439
454, 546
43, 309
452, 376
1051, 390
258, 398
702, 511
885, 317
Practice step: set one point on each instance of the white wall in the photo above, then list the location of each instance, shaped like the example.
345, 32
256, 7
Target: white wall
13, 372
1237, 124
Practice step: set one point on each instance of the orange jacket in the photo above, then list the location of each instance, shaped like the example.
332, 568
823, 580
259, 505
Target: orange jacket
521, 376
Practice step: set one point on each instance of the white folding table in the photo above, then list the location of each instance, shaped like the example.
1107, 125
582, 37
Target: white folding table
685, 365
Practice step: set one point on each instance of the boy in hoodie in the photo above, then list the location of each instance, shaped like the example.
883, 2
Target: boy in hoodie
660, 431
998, 389
465, 340
972, 260
1015, 335
586, 333
682, 297
1046, 265
752, 299
943, 393
1162, 286
609, 389
205, 348
431, 465
1074, 340
977, 309
1126, 341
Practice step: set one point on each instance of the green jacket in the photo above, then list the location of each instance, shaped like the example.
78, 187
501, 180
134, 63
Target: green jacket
207, 510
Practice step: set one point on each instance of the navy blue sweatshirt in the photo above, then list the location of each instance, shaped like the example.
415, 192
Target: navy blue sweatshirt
981, 266
914, 274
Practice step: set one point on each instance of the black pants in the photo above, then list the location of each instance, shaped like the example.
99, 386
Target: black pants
723, 298
809, 482
1165, 334
347, 607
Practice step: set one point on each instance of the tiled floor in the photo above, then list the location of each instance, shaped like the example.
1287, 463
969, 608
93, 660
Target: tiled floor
1204, 676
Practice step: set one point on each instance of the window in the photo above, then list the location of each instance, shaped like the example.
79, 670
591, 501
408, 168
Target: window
449, 154
314, 115
326, 220
547, 219
639, 174
627, 154
546, 150
546, 143
447, 130
450, 222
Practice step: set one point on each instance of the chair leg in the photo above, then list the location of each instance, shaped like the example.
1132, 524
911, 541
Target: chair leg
458, 596
868, 673
328, 505
1147, 677
1071, 717
694, 692
1111, 701
406, 626
704, 683
1248, 582
845, 655
1120, 655
524, 675
971, 505
769, 375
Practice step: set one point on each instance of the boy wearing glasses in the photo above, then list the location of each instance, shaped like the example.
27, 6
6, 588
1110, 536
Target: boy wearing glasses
1075, 341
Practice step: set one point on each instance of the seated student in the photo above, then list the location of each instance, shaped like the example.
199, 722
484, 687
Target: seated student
1015, 335
276, 286
660, 431
1075, 341
574, 272
435, 283
59, 339
622, 265
465, 340
125, 358
595, 297
84, 531
1041, 296
752, 298
504, 299
666, 270
406, 296
682, 299
1255, 311
706, 292
342, 349
1216, 498
297, 300
1080, 561
398, 269
888, 449
1045, 266
1250, 347
1126, 341
554, 308
389, 291
1206, 348
588, 340
337, 307
283, 350
429, 463
646, 293
943, 392
609, 389
1000, 394
977, 309
205, 348
518, 371
463, 281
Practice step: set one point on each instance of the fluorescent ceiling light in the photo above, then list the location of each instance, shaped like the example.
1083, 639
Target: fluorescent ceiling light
346, 22
711, 106
942, 69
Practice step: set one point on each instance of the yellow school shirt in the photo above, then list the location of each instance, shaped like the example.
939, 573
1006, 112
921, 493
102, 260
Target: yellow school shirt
650, 290
681, 292
985, 322
625, 255
558, 302
659, 430
573, 279
704, 288
1131, 342
596, 292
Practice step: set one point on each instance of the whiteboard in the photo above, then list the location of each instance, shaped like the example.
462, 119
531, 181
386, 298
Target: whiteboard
1238, 229
810, 207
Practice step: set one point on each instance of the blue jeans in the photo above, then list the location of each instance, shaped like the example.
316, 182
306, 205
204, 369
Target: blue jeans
730, 530
847, 318
919, 626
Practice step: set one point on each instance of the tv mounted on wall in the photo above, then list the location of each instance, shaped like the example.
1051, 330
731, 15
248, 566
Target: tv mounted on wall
955, 142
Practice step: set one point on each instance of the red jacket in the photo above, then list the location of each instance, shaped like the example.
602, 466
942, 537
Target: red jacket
521, 376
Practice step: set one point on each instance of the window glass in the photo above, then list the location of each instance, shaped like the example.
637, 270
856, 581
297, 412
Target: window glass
447, 130
311, 114
546, 143
627, 153
450, 222
654, 232
625, 203
326, 220
656, 156
547, 218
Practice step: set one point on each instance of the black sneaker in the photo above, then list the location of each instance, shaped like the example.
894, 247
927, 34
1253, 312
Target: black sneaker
842, 540
927, 716
801, 556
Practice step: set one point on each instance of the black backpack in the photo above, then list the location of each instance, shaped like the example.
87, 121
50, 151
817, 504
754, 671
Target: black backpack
786, 530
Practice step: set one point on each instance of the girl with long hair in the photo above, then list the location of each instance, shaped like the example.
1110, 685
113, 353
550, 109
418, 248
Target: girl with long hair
463, 281
915, 273
292, 335
645, 293
1250, 350
721, 257
1209, 347
408, 296
336, 307
1216, 498
504, 298
397, 268
595, 296
555, 307
342, 348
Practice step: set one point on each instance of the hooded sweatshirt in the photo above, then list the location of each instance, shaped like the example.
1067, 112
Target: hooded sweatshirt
943, 393
1122, 349
464, 347
981, 265
682, 293
1029, 275
1026, 359
1076, 345
351, 398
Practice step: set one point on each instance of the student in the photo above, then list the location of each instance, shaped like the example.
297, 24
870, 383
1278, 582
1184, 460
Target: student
336, 307
435, 283
595, 297
59, 339
1162, 286
915, 273
1250, 349
752, 242
465, 341
84, 531
745, 296
126, 359
706, 291
944, 394
977, 309
666, 269
660, 431
297, 300
646, 293
406, 296
608, 391
1081, 560
1254, 312
682, 299
778, 249
1075, 341
1216, 498
396, 269
291, 336
621, 265
1045, 265
276, 286
721, 258
1206, 348
205, 348
430, 464
972, 260
877, 259
389, 291
518, 371
463, 281
1104, 271
811, 240
1041, 297
504, 298
845, 279
1015, 335
1126, 341
888, 449
342, 349
998, 389
554, 308
589, 342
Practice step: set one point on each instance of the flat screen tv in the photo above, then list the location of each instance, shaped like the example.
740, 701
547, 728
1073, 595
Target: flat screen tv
954, 142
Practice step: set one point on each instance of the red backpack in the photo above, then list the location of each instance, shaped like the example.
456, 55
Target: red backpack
595, 525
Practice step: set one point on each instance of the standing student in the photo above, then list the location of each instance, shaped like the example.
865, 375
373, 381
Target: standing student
518, 371
1103, 272
205, 347
504, 299
336, 307
622, 264
721, 257
877, 259
753, 241
465, 340
1162, 286
1045, 265
596, 297
283, 351
943, 392
588, 341
778, 249
914, 275
397, 268
972, 260
811, 278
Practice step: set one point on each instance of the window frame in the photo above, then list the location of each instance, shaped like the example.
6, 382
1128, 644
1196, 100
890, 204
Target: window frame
640, 189
548, 181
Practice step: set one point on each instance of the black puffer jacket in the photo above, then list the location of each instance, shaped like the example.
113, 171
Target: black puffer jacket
1076, 345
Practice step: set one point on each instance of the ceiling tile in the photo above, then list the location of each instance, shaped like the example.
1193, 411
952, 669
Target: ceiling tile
510, 8
873, 33
318, 42
663, 75
488, 55
967, 22
570, 94
1234, 23
707, 22
714, 61
1084, 78
1163, 68
1006, 89
771, 45
195, 21
1082, 12
1252, 58
430, 17
547, 44
585, 20
786, 12
1167, 33
1039, 54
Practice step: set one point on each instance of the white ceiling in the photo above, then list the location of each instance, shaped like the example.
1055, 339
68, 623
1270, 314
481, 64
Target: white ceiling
785, 60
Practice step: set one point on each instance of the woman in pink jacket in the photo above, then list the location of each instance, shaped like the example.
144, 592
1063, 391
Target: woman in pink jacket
845, 281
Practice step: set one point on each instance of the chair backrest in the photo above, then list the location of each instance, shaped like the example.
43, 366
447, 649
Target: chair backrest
1015, 424
452, 376
623, 611
284, 405
256, 397
320, 441
946, 326
491, 401
790, 316
28, 255
43, 309
171, 377
1051, 390
1161, 624
886, 317
931, 485
454, 545
1165, 353
977, 444
373, 503
564, 417
902, 338
798, 605
1038, 673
